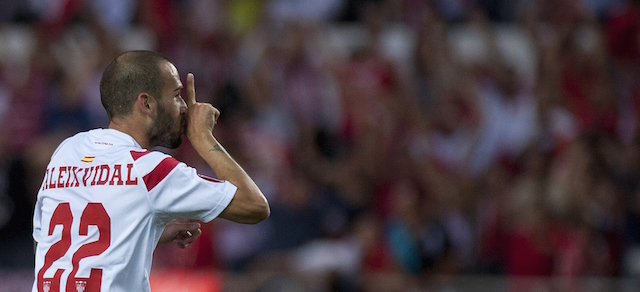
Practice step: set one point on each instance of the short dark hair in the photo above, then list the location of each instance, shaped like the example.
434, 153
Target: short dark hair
128, 75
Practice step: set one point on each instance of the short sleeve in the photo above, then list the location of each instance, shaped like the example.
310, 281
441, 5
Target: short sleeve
188, 195
176, 190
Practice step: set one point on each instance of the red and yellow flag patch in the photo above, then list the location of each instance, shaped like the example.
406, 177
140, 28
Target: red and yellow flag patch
88, 158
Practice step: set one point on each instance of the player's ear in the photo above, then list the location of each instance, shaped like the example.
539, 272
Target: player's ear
144, 103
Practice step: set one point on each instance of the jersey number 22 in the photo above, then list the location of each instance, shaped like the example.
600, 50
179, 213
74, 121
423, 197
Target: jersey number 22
93, 214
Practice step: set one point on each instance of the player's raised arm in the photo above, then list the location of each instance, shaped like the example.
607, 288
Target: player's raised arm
249, 204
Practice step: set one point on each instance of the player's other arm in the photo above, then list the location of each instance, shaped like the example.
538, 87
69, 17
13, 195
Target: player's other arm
249, 205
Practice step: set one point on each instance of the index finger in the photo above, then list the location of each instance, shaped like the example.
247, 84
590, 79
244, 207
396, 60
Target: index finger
191, 90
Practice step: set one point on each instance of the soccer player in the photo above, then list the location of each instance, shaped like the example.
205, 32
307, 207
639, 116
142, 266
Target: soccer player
106, 200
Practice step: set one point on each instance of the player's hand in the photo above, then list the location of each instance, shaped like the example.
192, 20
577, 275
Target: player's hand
201, 117
180, 231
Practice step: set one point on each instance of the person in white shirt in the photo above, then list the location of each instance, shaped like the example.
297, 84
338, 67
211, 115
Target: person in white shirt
106, 200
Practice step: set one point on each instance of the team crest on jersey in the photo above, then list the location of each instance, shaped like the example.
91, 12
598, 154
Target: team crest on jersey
88, 158
81, 285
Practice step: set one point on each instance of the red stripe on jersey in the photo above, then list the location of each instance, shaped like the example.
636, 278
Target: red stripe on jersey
138, 154
161, 171
211, 179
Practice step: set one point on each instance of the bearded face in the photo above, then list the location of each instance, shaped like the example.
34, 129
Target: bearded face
167, 130
170, 111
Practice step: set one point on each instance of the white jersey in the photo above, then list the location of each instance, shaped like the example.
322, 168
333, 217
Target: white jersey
102, 207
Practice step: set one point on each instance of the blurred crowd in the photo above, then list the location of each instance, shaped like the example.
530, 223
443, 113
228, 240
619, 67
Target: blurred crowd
394, 139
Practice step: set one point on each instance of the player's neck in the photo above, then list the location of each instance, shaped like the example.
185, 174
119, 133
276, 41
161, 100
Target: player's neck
136, 132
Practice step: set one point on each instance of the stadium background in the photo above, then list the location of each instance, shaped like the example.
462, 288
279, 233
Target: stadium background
404, 145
